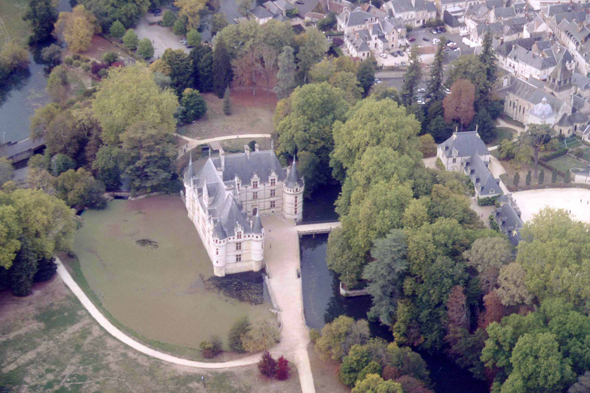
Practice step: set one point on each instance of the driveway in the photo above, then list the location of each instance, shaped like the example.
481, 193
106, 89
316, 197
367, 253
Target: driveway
162, 37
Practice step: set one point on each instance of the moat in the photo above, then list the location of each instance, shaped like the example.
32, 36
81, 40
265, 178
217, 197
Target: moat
323, 303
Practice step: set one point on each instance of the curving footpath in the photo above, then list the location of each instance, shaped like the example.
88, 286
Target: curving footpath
282, 263
192, 142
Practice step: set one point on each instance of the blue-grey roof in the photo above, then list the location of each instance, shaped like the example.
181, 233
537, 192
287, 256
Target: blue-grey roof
244, 166
465, 144
508, 219
481, 177
257, 227
580, 81
530, 93
294, 180
504, 12
261, 13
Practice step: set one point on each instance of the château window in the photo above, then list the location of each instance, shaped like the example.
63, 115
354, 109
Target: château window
295, 209
254, 184
239, 235
239, 258
217, 251
272, 182
272, 204
255, 195
238, 246
273, 193
295, 200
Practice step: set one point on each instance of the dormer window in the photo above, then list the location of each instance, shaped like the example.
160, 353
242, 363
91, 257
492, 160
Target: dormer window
273, 182
255, 184
239, 234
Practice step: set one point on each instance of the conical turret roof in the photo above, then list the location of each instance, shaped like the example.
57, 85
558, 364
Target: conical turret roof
293, 179
190, 172
257, 228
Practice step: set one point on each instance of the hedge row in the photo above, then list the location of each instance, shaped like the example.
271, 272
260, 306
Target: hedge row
546, 186
555, 154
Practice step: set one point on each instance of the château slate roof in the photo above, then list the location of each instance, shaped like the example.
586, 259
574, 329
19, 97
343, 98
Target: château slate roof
466, 144
294, 180
244, 166
481, 177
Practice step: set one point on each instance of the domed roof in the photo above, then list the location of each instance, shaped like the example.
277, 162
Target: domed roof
542, 110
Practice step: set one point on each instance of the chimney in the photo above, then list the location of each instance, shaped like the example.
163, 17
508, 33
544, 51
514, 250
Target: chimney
247, 150
256, 147
222, 158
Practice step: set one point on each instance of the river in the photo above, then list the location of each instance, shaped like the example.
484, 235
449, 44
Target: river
25, 92
323, 303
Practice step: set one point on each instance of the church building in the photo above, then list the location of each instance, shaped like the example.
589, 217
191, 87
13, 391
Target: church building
226, 198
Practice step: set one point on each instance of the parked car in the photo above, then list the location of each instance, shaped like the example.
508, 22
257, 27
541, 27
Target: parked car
383, 55
403, 63
435, 41
157, 11
442, 30
426, 39
377, 81
420, 101
411, 39
400, 53
421, 90
447, 91
394, 54
434, 31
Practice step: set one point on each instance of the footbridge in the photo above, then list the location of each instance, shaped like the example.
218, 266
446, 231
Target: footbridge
317, 228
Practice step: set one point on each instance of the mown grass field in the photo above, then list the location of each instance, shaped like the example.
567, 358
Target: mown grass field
12, 25
565, 163
49, 343
157, 291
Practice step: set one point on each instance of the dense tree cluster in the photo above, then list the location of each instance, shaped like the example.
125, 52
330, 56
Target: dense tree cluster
370, 364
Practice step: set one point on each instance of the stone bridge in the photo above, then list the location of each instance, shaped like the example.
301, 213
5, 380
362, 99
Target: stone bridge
313, 229
22, 150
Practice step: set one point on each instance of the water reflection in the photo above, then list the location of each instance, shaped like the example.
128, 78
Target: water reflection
320, 205
323, 303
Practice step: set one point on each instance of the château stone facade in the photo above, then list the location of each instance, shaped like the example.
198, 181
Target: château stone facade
226, 198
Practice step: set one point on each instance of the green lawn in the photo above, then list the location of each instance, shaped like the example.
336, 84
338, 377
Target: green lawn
160, 292
51, 344
586, 155
12, 25
502, 133
565, 163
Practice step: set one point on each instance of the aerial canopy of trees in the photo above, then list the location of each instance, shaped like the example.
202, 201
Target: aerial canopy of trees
127, 12
78, 27
34, 226
130, 95
307, 129
42, 15
555, 254
192, 10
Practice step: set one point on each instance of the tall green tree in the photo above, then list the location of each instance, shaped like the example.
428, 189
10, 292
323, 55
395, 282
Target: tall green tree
488, 59
535, 137
435, 88
107, 166
312, 50
202, 57
130, 95
150, 154
471, 68
307, 130
42, 15
145, 48
222, 69
366, 75
411, 78
194, 106
117, 30
130, 39
181, 69
79, 189
385, 274
6, 171
286, 75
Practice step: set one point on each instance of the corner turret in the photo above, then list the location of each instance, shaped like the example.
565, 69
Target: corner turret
293, 194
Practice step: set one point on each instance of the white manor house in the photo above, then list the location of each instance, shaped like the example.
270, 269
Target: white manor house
226, 198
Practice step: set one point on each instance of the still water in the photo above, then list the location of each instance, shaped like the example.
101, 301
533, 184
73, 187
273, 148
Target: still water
322, 304
23, 94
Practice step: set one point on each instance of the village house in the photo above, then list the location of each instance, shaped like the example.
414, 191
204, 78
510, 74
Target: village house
365, 32
466, 152
226, 198
507, 216
413, 12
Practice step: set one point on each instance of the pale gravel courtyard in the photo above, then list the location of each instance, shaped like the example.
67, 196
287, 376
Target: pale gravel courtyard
531, 202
